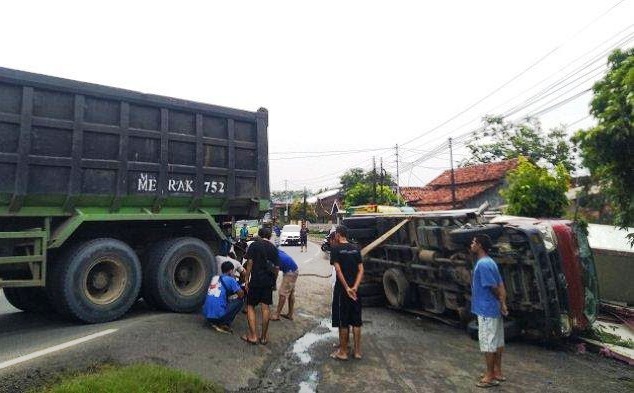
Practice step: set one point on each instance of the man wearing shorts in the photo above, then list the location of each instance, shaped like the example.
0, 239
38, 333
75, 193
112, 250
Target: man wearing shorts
290, 272
346, 305
488, 302
303, 238
261, 273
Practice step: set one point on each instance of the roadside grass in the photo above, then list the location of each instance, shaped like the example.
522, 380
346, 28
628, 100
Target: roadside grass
131, 379
609, 338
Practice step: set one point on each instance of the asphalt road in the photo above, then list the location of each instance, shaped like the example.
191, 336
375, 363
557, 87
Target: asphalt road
144, 335
402, 353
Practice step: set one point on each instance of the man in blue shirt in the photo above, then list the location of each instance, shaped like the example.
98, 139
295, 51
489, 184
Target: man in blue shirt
488, 302
244, 232
224, 299
287, 289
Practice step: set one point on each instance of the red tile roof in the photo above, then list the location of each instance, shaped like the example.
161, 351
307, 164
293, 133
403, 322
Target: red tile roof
470, 181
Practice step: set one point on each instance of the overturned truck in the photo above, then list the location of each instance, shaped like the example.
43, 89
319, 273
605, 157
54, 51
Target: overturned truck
425, 267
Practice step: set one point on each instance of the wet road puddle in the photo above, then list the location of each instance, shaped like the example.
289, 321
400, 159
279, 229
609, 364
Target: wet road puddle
302, 346
296, 370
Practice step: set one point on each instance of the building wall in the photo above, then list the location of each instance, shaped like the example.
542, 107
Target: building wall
615, 271
492, 196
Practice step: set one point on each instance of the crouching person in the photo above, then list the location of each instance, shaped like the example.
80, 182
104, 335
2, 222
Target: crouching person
224, 299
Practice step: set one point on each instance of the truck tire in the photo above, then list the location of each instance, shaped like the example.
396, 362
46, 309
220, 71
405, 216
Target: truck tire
177, 273
33, 300
96, 281
373, 301
395, 286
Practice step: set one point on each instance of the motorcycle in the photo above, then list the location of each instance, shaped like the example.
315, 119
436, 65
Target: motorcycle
326, 243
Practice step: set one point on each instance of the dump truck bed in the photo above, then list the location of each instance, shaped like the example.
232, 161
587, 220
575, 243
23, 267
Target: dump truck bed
66, 144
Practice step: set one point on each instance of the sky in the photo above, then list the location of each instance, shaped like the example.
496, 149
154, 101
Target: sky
343, 81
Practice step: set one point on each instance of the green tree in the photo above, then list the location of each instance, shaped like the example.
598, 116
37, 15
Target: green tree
362, 193
607, 149
296, 211
355, 176
534, 192
350, 178
500, 139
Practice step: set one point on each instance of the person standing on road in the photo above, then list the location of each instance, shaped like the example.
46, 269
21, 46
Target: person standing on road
226, 244
346, 305
290, 272
224, 299
303, 237
488, 302
261, 273
244, 232
277, 232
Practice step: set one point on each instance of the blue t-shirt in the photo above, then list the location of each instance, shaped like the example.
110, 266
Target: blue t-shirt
216, 302
485, 276
287, 264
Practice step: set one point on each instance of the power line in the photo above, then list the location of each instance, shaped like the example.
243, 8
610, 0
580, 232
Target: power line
542, 58
561, 103
331, 151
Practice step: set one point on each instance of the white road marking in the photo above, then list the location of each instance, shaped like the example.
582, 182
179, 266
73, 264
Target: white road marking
55, 348
313, 257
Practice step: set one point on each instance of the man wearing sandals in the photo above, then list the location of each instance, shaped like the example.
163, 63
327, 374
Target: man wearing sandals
261, 272
488, 302
346, 305
290, 272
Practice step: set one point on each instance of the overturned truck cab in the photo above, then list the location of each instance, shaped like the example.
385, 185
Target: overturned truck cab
426, 267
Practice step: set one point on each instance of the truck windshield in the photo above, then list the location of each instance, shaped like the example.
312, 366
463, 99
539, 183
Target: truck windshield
590, 280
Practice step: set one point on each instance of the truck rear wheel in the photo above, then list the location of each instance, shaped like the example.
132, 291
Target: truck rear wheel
97, 281
33, 300
177, 273
395, 286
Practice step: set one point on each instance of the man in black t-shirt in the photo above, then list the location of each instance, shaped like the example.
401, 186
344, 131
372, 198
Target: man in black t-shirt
303, 238
346, 305
261, 273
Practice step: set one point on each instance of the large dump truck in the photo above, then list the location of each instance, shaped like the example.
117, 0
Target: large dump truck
425, 267
109, 195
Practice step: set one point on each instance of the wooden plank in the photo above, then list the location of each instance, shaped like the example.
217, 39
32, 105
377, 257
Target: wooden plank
367, 249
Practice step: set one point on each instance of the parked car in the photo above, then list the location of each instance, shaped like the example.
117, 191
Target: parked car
290, 235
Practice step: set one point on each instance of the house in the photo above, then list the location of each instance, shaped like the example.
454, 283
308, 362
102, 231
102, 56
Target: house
327, 204
474, 185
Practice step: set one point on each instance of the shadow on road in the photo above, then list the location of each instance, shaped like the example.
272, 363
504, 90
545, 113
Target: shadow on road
26, 322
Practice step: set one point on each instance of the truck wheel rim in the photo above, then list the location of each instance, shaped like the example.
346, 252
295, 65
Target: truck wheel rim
188, 275
105, 281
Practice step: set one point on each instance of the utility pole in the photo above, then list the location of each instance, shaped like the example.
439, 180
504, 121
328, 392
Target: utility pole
286, 219
373, 179
304, 209
453, 179
398, 181
381, 182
